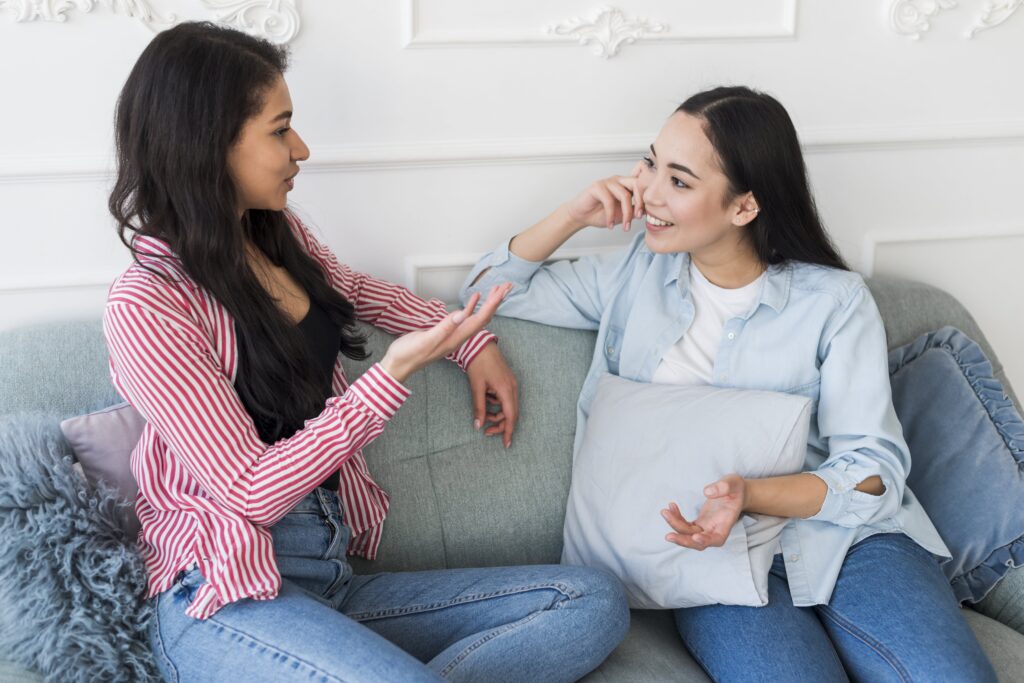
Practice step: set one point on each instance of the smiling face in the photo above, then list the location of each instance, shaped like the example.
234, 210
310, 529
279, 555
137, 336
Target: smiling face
689, 205
264, 161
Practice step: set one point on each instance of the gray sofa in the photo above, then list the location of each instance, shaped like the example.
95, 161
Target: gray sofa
462, 500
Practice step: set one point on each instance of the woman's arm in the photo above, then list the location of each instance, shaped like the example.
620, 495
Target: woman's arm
566, 294
864, 476
163, 365
391, 307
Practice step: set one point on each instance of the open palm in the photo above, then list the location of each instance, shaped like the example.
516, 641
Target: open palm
716, 518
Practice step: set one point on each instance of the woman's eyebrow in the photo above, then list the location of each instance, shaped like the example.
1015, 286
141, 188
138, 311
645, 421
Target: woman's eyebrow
678, 167
281, 117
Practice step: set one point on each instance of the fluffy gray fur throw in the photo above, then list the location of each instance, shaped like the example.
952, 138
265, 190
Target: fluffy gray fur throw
72, 586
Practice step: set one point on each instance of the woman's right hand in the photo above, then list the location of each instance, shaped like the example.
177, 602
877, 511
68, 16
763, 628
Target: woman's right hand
413, 351
609, 201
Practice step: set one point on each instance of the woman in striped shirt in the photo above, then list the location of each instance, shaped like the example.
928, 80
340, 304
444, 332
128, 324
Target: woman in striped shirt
224, 333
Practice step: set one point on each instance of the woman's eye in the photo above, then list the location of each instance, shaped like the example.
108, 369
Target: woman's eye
648, 162
678, 183
281, 131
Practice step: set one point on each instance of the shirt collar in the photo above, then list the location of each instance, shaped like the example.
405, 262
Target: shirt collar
151, 247
775, 292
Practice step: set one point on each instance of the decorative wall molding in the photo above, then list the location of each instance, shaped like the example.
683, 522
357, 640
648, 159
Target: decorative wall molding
413, 155
994, 14
275, 20
608, 28
911, 18
57, 10
873, 240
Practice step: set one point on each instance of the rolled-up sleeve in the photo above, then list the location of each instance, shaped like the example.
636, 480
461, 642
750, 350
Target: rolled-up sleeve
564, 293
857, 419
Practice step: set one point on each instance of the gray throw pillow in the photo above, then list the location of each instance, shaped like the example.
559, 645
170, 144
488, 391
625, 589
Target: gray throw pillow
645, 445
103, 442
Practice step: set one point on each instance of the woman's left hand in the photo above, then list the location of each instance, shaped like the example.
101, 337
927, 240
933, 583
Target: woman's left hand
726, 500
491, 382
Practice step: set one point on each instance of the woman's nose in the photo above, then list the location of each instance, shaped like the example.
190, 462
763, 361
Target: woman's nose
300, 152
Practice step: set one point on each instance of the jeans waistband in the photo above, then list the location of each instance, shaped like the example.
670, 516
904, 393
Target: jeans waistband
321, 501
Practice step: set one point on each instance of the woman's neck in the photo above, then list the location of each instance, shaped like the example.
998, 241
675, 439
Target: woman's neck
729, 271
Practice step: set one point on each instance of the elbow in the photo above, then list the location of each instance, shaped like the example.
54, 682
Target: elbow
872, 485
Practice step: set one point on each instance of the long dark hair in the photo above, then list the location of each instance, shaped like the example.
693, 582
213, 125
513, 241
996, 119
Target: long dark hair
180, 111
758, 149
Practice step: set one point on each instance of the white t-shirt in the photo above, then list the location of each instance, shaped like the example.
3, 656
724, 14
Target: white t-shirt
691, 360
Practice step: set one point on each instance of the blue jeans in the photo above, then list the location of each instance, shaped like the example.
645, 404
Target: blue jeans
892, 617
530, 623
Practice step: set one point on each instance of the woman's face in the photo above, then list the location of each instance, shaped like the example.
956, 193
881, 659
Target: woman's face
264, 160
686, 196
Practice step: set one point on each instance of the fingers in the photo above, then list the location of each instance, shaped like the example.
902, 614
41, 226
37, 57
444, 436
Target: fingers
686, 541
636, 190
479, 403
675, 519
608, 203
625, 198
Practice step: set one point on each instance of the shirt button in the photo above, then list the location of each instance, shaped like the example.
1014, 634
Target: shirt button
611, 350
731, 335
794, 558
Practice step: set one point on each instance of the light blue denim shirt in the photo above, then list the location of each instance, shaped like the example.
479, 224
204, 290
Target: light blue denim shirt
814, 331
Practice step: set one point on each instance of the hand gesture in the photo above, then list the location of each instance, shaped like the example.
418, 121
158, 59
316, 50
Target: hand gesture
492, 383
413, 351
608, 202
726, 499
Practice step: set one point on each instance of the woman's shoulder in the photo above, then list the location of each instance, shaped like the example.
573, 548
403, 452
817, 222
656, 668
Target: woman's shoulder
157, 283
813, 279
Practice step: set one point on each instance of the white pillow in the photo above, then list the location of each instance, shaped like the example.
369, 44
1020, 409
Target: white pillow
648, 444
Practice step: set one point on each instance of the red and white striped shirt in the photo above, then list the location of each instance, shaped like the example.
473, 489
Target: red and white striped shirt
208, 487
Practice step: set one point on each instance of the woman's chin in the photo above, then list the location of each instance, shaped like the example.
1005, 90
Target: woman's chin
661, 242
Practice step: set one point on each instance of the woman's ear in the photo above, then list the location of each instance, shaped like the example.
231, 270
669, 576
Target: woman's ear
746, 209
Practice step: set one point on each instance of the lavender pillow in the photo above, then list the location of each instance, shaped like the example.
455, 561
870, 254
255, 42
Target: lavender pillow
103, 442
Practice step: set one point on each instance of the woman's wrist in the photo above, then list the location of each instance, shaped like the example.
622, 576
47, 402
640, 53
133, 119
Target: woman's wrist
397, 370
540, 241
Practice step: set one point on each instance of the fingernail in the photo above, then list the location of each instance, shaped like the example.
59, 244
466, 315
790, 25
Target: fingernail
476, 424
458, 317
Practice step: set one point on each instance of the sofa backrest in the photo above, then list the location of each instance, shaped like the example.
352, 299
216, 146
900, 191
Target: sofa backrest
458, 499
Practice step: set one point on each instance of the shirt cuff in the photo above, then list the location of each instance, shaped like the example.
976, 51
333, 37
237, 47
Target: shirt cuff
504, 267
465, 354
379, 391
837, 498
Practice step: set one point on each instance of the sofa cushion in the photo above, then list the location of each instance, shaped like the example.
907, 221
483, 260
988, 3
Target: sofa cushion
648, 444
103, 442
967, 448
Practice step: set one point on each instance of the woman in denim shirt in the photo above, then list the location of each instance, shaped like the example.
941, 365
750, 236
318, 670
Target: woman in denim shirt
855, 590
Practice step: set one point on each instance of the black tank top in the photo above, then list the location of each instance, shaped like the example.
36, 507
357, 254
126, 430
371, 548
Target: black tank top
323, 339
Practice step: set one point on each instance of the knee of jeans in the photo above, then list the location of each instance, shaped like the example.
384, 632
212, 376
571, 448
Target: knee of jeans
604, 596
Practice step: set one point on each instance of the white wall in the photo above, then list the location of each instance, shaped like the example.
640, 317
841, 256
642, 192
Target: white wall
439, 127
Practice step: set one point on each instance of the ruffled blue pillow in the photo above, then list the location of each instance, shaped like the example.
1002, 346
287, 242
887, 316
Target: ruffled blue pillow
966, 443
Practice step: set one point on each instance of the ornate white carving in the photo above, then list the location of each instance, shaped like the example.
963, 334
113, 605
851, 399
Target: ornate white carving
910, 17
994, 14
608, 29
56, 10
276, 20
